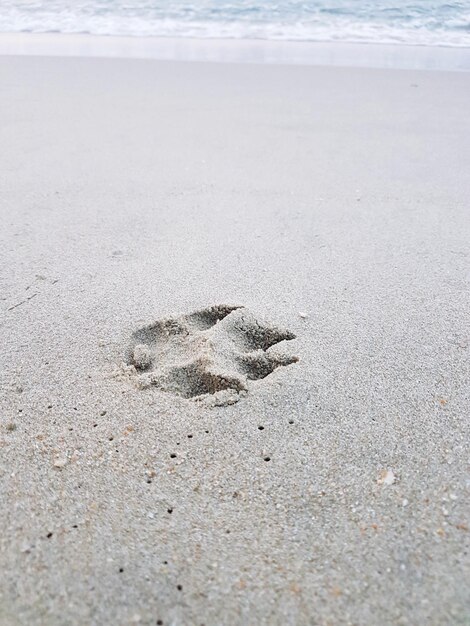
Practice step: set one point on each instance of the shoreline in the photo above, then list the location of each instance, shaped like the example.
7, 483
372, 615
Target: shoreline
336, 54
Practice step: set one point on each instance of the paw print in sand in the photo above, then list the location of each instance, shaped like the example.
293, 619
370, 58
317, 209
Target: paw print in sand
208, 355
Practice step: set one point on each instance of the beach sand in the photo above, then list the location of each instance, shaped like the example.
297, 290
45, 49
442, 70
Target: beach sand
330, 202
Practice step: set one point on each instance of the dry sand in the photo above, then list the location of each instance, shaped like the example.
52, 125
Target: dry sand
331, 202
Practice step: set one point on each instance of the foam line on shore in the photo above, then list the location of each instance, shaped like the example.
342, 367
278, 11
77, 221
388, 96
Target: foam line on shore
238, 51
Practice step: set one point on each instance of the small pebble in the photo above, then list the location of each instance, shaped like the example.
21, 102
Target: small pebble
10, 427
387, 477
303, 315
75, 456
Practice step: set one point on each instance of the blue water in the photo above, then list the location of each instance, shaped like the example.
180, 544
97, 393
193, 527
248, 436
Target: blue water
419, 22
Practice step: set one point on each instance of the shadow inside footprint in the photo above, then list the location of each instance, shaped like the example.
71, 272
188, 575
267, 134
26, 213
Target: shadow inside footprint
193, 379
259, 365
202, 320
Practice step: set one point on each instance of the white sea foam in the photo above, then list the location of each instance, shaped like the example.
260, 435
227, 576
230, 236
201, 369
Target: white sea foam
423, 22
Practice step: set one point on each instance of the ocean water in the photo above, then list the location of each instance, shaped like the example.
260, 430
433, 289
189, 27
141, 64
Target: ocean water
418, 22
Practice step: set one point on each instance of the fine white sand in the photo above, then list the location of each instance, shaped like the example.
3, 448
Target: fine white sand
331, 202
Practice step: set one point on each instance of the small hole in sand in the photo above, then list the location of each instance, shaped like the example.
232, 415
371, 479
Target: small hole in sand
267, 458
260, 427
95, 425
165, 562
172, 455
20, 410
170, 511
49, 535
121, 569
149, 481
291, 421
110, 438
179, 587
159, 622
190, 436
177, 443
207, 432
49, 406
75, 526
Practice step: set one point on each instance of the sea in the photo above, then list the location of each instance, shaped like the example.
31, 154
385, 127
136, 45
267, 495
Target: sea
418, 22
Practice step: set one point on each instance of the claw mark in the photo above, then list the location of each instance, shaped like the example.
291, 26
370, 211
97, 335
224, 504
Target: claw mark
210, 353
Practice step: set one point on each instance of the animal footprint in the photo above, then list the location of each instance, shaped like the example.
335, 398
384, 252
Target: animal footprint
208, 355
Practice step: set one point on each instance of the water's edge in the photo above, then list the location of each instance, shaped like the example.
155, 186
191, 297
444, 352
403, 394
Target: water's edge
238, 51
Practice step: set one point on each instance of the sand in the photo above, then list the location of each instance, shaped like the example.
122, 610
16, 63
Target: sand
331, 202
